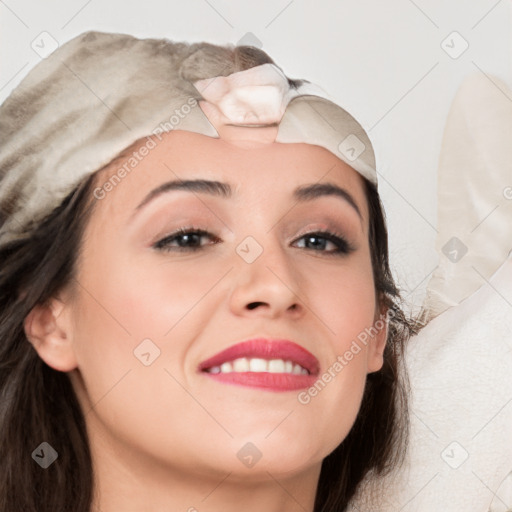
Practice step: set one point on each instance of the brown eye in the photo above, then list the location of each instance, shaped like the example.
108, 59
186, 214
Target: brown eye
185, 239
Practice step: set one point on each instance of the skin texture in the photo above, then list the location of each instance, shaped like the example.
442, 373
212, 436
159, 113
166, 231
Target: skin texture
163, 436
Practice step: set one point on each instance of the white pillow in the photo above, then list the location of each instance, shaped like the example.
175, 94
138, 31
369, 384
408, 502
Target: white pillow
460, 368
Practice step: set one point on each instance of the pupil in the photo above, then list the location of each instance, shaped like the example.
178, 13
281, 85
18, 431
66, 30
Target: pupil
187, 237
317, 244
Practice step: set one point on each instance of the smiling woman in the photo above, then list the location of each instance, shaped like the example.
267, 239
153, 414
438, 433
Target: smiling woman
217, 327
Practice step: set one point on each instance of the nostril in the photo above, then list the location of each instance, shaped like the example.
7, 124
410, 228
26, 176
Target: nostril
253, 305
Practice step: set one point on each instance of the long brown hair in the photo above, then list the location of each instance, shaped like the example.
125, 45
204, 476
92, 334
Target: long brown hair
38, 404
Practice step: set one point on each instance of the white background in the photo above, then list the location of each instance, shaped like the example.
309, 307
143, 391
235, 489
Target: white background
383, 60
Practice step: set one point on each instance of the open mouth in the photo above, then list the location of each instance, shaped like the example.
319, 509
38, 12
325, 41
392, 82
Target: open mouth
278, 365
257, 365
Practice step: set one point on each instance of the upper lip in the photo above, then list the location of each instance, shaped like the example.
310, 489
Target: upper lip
265, 348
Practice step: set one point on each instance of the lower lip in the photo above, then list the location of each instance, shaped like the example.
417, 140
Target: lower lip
265, 380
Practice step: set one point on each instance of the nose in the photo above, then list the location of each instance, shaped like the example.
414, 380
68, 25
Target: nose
267, 287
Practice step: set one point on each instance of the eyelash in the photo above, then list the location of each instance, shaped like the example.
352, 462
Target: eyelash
343, 247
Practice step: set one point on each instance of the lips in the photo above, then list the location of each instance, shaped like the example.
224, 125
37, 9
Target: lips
272, 364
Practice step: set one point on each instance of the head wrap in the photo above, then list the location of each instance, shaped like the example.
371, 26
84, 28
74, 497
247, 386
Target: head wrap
100, 92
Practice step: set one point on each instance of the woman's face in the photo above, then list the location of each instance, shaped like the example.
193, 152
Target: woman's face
150, 306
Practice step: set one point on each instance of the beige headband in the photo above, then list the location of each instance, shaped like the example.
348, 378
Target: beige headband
99, 93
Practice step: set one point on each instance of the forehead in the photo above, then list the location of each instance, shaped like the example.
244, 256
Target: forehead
257, 169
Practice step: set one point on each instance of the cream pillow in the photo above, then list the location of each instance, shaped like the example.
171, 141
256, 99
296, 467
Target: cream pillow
460, 364
474, 192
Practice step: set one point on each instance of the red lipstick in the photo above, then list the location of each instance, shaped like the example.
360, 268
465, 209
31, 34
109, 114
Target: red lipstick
271, 364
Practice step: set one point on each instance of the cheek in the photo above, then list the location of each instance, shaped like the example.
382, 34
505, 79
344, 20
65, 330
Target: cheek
145, 297
345, 303
128, 307
127, 304
344, 300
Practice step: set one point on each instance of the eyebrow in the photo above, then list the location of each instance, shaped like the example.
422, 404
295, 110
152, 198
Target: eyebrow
224, 190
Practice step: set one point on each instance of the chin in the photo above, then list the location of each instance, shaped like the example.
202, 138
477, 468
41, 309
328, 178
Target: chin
282, 455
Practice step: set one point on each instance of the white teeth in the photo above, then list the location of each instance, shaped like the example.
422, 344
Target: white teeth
297, 369
276, 366
258, 365
255, 364
226, 368
241, 365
